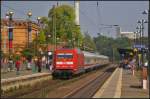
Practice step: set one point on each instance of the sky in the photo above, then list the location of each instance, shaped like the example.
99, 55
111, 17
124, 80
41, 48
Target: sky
122, 13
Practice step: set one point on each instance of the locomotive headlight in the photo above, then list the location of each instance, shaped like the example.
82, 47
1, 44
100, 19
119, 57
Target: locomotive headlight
69, 63
59, 62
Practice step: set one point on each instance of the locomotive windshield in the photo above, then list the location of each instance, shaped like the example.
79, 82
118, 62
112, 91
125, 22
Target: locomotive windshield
64, 55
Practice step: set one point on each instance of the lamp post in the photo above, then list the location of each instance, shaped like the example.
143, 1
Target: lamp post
54, 27
144, 65
141, 32
138, 31
144, 68
38, 19
138, 42
29, 40
29, 14
141, 22
48, 36
10, 34
57, 39
3, 29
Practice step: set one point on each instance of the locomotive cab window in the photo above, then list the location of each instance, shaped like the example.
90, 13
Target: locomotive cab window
64, 55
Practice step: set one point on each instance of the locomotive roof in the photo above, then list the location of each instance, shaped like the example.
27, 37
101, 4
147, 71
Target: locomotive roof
77, 49
88, 54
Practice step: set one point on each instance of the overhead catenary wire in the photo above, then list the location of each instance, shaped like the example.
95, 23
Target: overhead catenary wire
10, 8
89, 19
99, 17
23, 13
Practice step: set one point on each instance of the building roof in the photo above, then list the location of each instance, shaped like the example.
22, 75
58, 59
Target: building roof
127, 32
18, 22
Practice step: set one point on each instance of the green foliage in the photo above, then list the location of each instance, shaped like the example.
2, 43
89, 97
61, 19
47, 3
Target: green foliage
28, 52
89, 43
108, 46
60, 20
42, 37
62, 17
17, 57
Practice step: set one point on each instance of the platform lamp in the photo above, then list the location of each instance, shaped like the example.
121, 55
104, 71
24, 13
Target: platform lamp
29, 14
10, 33
38, 20
144, 65
48, 36
138, 34
138, 41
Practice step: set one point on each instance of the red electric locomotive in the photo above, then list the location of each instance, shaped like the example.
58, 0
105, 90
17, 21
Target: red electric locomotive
68, 62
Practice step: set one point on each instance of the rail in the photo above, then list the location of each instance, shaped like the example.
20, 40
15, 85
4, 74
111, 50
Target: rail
88, 90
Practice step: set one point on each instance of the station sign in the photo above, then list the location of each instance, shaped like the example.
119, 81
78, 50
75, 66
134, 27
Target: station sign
139, 46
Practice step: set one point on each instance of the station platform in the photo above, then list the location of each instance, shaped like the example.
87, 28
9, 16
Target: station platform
12, 74
122, 84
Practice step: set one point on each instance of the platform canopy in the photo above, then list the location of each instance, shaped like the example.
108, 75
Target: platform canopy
125, 52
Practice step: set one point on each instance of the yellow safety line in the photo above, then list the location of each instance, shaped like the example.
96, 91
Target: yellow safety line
102, 89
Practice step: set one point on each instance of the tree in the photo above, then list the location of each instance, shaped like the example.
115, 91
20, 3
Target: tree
28, 53
62, 18
89, 43
108, 46
42, 37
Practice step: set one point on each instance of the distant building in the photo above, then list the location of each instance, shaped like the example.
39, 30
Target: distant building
118, 31
20, 34
129, 35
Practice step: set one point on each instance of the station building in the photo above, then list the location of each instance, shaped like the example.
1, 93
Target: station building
20, 34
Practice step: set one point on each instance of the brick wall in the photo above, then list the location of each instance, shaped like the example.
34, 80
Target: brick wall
20, 34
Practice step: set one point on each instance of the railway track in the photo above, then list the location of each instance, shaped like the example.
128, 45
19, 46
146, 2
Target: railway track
89, 89
58, 83
48, 86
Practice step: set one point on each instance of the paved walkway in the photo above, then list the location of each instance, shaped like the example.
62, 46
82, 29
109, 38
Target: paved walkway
131, 86
12, 74
122, 84
110, 86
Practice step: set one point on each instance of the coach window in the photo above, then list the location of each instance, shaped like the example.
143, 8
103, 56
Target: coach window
87, 60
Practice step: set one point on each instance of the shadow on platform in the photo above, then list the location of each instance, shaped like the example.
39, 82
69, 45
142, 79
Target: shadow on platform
135, 86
